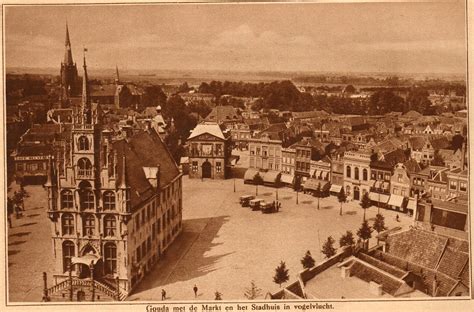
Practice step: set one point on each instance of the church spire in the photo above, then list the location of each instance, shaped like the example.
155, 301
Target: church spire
117, 77
68, 52
86, 101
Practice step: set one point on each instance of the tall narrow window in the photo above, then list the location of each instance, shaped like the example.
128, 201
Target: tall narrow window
87, 199
67, 200
110, 226
83, 143
68, 253
356, 173
110, 258
348, 171
365, 174
109, 200
89, 225
67, 223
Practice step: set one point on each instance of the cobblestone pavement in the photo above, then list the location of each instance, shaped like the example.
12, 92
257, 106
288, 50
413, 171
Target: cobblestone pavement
29, 248
224, 246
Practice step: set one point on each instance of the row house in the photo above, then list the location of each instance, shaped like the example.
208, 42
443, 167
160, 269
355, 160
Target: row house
265, 153
307, 149
357, 173
241, 134
288, 160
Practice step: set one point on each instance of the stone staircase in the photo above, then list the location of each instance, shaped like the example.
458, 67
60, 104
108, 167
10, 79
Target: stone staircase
104, 291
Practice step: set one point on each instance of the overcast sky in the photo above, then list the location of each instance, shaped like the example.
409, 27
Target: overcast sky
397, 37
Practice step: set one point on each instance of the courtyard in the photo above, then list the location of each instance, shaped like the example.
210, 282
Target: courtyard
223, 247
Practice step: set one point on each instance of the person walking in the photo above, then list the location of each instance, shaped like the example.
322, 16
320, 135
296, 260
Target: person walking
163, 294
195, 291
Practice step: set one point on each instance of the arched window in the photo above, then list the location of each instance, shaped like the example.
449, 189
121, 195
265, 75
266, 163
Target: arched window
109, 200
84, 167
356, 173
67, 200
68, 253
365, 175
348, 171
110, 258
109, 226
83, 143
67, 224
89, 225
87, 199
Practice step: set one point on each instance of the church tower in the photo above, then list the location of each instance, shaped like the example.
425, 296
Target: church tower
69, 79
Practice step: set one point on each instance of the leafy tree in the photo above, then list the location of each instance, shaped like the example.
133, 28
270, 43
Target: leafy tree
184, 87
347, 239
437, 159
257, 180
253, 292
350, 89
218, 295
417, 100
318, 193
281, 274
307, 261
328, 248
457, 141
379, 224
341, 197
153, 96
365, 202
365, 231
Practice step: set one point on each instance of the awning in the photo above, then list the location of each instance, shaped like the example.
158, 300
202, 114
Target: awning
311, 172
411, 204
250, 174
317, 174
381, 198
271, 177
385, 185
372, 183
311, 184
184, 160
86, 259
377, 184
325, 175
287, 178
396, 200
335, 188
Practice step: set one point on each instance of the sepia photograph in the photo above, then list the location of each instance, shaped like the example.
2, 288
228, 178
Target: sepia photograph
259, 153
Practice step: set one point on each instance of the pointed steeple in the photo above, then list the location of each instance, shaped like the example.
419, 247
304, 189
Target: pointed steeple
68, 52
117, 77
86, 101
123, 177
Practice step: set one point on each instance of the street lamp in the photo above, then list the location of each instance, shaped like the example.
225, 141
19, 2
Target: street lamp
234, 184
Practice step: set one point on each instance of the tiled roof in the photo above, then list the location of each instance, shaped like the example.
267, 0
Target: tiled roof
417, 142
412, 166
389, 284
397, 272
440, 143
452, 262
103, 90
222, 114
417, 246
412, 114
144, 149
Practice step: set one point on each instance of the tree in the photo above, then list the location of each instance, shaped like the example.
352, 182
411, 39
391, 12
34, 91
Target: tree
347, 239
317, 193
457, 141
437, 159
341, 197
253, 292
328, 248
365, 231
218, 295
281, 274
307, 261
365, 202
257, 180
379, 224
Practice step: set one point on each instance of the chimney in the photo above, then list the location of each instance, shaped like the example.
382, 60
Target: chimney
345, 272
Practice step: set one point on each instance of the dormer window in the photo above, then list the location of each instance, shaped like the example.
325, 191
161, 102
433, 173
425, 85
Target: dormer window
83, 143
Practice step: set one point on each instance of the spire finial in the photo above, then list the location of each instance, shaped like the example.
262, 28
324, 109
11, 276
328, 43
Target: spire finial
86, 109
68, 53
117, 77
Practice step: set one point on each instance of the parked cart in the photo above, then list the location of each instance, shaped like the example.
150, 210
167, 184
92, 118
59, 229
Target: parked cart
256, 203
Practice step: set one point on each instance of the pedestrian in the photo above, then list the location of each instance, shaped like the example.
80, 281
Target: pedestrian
398, 219
195, 291
163, 294
9, 218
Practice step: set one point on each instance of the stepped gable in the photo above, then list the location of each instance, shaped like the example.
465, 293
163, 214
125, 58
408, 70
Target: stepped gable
144, 149
389, 284
452, 262
417, 246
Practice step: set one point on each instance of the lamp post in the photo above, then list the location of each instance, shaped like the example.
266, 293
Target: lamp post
234, 184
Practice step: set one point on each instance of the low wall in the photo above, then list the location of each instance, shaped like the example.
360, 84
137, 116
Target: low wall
308, 274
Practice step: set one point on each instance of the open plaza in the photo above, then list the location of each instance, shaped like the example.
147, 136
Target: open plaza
223, 246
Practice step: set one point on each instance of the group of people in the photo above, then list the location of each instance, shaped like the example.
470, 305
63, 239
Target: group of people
195, 290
